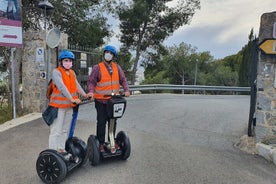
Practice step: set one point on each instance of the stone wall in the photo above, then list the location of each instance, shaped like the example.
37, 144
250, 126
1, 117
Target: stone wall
34, 66
266, 94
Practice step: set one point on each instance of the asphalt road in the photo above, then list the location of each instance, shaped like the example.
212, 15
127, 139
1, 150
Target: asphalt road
176, 139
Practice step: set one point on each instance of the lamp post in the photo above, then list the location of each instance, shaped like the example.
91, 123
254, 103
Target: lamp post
46, 6
195, 72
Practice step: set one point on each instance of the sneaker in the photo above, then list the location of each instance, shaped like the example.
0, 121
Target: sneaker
67, 156
117, 146
101, 148
76, 159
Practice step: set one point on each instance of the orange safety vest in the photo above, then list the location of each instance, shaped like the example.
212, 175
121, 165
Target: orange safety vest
108, 83
57, 98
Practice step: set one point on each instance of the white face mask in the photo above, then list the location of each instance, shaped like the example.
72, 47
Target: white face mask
108, 56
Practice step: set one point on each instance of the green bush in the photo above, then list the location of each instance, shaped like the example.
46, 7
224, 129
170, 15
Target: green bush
5, 114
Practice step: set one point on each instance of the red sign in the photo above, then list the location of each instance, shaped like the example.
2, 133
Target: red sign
10, 23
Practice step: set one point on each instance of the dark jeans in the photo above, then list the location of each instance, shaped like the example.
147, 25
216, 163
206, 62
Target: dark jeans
102, 118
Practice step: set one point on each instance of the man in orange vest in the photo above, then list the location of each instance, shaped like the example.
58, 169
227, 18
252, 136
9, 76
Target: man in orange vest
64, 96
105, 78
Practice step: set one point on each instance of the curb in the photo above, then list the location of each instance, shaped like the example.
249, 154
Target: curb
267, 151
19, 121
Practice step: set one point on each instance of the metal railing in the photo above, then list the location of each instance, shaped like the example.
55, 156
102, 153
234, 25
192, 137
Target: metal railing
187, 87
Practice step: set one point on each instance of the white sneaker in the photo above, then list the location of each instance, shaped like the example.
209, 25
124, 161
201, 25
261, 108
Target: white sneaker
67, 156
76, 159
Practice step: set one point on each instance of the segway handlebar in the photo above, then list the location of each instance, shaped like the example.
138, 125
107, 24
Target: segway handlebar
83, 101
121, 94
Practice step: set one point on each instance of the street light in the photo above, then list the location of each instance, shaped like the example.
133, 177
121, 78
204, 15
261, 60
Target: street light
195, 72
46, 6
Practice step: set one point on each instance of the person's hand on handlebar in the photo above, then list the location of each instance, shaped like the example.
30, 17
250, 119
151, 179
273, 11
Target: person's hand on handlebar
75, 101
127, 93
90, 95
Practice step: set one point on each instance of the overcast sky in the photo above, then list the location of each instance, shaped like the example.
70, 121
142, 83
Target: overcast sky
222, 26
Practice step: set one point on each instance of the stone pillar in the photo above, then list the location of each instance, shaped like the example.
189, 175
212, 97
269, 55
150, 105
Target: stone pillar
34, 67
266, 94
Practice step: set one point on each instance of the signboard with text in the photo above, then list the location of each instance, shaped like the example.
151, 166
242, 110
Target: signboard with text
10, 23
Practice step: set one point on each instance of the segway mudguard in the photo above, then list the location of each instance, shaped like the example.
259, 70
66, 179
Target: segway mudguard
76, 147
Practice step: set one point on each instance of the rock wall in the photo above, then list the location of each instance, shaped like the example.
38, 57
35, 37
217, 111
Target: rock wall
34, 69
266, 83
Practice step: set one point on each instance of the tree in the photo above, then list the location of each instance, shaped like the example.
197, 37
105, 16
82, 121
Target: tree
81, 20
145, 24
124, 59
179, 64
246, 61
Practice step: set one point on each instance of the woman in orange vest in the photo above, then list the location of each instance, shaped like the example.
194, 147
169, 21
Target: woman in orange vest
64, 97
105, 78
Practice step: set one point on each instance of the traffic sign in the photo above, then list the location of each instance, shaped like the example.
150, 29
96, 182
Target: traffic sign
268, 46
43, 75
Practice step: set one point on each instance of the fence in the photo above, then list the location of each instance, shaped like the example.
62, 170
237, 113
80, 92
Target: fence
156, 87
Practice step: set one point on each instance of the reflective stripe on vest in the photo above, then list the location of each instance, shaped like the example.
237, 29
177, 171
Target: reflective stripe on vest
108, 83
57, 98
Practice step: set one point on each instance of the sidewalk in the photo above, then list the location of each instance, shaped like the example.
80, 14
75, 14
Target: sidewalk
19, 121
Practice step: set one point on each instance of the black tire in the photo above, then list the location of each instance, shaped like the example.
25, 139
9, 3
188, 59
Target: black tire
76, 147
124, 143
50, 167
94, 156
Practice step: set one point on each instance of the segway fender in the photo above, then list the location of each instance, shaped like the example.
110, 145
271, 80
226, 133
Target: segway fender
76, 146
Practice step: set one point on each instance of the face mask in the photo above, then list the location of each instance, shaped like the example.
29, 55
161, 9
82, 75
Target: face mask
108, 56
67, 65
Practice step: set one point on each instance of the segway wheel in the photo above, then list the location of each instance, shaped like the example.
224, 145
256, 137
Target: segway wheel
76, 146
124, 143
94, 145
50, 167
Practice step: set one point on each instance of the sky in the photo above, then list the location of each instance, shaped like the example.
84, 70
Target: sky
221, 26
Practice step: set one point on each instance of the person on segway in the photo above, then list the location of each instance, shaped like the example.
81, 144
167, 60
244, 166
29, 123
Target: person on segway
104, 80
64, 97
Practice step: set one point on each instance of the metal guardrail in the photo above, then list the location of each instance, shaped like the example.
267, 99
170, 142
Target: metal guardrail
188, 87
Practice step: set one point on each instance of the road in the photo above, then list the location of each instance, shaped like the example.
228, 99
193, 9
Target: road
176, 139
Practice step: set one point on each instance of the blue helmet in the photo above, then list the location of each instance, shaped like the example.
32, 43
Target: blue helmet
66, 54
111, 49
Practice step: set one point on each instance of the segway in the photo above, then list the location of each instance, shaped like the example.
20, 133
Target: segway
115, 147
52, 167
